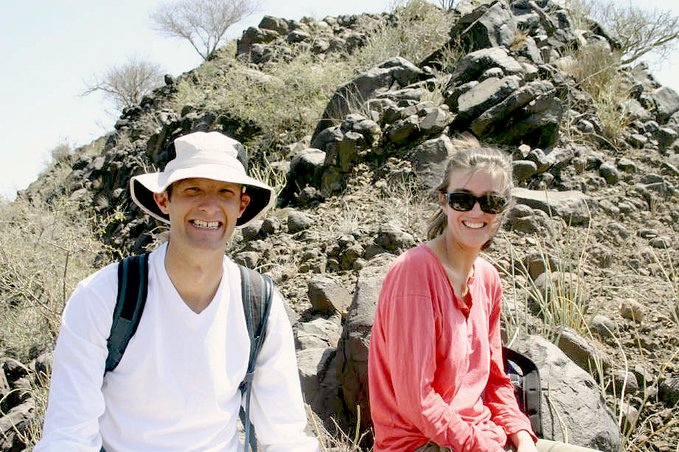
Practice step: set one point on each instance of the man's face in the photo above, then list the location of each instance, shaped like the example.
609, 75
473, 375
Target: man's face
203, 212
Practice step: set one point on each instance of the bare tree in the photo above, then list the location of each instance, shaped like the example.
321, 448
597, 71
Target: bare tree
201, 22
126, 84
638, 30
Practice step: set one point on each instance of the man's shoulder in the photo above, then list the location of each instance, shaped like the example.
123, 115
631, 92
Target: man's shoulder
104, 277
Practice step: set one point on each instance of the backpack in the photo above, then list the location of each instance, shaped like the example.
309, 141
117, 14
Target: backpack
526, 380
257, 292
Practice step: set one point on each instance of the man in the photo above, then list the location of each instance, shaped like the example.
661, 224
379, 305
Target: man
176, 387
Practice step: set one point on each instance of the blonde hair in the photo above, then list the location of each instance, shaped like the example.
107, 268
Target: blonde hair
476, 158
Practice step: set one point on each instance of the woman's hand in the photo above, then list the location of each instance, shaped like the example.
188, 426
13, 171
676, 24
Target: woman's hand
523, 442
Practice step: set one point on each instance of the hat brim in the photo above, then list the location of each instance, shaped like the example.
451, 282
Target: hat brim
142, 188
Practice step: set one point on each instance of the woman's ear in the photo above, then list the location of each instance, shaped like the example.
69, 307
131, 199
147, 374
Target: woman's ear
442, 199
163, 201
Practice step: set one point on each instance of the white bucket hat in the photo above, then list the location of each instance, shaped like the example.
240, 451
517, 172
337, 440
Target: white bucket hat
208, 155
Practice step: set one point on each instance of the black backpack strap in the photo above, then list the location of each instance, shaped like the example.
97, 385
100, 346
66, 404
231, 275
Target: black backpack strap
133, 273
531, 388
257, 293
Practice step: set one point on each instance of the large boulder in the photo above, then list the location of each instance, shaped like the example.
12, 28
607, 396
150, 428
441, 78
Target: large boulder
352, 350
573, 405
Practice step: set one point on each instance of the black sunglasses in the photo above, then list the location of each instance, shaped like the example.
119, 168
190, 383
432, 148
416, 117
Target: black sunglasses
463, 201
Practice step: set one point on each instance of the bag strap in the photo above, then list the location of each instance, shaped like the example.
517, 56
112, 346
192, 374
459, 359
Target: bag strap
531, 387
133, 274
257, 293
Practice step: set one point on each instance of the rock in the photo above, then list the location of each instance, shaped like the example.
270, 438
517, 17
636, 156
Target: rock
536, 263
429, 160
270, 225
576, 405
582, 352
251, 230
328, 295
249, 259
530, 115
603, 326
393, 238
280, 26
490, 25
666, 102
573, 206
352, 350
252, 36
13, 369
630, 415
624, 383
306, 168
627, 166
472, 65
312, 362
668, 391
14, 424
318, 333
631, 309
482, 97
610, 173
403, 130
344, 153
560, 293
395, 71
298, 221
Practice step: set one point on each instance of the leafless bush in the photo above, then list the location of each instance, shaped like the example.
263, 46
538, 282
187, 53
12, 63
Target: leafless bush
201, 22
639, 30
126, 84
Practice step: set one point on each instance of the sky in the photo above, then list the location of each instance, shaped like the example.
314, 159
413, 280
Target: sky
50, 50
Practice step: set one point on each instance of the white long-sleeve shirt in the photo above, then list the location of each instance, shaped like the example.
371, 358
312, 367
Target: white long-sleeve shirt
176, 387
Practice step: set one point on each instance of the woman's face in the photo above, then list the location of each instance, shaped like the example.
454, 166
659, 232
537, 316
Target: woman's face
473, 228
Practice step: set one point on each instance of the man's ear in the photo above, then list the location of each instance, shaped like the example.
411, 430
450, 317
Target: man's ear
162, 200
244, 202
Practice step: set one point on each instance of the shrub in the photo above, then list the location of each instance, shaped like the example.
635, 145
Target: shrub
597, 72
418, 29
126, 84
284, 99
44, 251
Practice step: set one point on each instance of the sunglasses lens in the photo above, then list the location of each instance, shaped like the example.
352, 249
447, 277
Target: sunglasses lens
462, 202
492, 203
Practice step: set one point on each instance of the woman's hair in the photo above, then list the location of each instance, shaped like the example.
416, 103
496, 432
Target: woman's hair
474, 158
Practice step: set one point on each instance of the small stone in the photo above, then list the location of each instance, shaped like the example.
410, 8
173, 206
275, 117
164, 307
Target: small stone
632, 310
603, 326
668, 391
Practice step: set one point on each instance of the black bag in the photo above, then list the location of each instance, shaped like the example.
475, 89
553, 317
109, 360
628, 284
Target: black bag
526, 380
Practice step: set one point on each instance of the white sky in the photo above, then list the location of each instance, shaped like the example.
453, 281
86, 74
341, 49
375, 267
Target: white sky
49, 49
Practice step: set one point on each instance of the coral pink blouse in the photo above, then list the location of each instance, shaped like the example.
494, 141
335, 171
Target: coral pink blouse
435, 362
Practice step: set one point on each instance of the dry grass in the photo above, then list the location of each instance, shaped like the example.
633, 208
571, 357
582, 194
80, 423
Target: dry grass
44, 251
421, 28
597, 72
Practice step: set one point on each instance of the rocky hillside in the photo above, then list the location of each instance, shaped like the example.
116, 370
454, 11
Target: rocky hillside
588, 254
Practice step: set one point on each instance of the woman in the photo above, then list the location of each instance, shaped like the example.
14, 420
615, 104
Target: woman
435, 364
